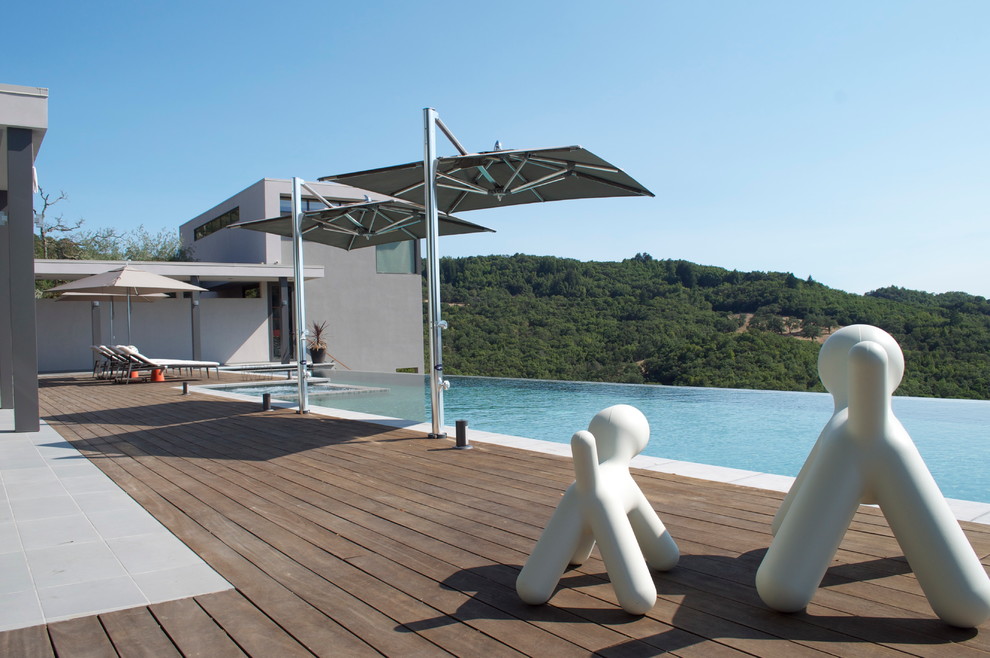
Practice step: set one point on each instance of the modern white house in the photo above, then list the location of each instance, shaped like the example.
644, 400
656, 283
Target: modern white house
371, 298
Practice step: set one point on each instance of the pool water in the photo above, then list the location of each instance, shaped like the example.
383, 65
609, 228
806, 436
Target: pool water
765, 431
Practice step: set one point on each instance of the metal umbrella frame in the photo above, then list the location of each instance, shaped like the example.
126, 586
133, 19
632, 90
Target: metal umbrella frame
363, 224
128, 281
493, 179
347, 226
474, 181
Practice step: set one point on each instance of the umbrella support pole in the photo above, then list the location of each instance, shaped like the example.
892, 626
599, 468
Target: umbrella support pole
300, 296
437, 383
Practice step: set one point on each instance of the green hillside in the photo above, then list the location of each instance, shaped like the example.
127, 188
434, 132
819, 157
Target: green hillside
673, 322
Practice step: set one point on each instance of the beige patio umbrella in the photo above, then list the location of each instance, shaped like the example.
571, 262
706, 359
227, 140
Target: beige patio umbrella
129, 282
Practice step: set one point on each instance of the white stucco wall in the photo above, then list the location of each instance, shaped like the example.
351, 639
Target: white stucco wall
232, 331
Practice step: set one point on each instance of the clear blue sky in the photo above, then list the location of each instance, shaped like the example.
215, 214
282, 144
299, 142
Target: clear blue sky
845, 140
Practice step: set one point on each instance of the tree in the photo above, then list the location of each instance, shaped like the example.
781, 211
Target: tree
48, 246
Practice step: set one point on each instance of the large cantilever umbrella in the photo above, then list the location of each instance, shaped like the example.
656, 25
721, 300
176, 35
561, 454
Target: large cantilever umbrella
129, 282
502, 178
349, 226
363, 224
474, 181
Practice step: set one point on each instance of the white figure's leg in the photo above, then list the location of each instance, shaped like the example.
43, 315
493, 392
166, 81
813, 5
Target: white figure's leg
811, 531
631, 578
799, 480
938, 551
658, 546
555, 548
586, 543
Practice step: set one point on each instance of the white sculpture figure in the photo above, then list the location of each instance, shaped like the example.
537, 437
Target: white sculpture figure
604, 505
864, 454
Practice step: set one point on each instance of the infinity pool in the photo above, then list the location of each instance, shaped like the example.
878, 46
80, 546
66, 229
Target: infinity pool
765, 431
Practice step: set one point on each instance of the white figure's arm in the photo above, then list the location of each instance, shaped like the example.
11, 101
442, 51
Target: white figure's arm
585, 455
658, 546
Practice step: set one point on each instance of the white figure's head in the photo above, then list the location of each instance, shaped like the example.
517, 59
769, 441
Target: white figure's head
621, 432
833, 359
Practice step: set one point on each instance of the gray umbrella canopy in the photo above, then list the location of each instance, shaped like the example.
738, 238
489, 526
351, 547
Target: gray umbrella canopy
366, 224
502, 178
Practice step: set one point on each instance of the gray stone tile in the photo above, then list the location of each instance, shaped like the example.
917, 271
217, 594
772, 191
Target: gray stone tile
29, 509
152, 552
180, 582
14, 574
58, 531
134, 520
71, 469
74, 563
89, 484
10, 541
29, 490
19, 610
105, 501
38, 475
90, 598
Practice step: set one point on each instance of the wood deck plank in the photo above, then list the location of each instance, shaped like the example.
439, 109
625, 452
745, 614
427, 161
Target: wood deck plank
84, 637
30, 642
194, 631
136, 633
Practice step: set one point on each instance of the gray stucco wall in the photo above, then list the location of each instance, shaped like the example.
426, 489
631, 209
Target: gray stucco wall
375, 320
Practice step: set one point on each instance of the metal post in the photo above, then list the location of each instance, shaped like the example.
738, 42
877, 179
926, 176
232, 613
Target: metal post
185, 387
285, 344
129, 318
437, 382
20, 243
266, 401
297, 271
462, 442
197, 336
96, 323
6, 329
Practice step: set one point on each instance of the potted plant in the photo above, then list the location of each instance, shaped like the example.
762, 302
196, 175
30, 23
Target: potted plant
316, 342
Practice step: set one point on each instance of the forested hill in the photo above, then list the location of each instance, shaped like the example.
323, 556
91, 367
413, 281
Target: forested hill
674, 322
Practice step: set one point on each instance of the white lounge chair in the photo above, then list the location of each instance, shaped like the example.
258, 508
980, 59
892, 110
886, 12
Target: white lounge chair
138, 362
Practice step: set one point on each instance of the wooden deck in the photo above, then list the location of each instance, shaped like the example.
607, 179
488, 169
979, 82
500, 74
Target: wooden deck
344, 538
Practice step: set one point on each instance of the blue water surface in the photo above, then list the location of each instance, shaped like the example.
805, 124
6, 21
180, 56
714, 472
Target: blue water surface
765, 431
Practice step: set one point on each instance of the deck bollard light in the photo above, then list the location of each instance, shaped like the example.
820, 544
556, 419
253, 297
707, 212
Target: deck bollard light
266, 401
185, 388
461, 431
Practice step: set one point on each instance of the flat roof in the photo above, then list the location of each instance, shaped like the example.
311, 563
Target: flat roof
69, 270
21, 107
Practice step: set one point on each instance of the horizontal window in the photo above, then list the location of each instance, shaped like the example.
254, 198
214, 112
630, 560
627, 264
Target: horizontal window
214, 225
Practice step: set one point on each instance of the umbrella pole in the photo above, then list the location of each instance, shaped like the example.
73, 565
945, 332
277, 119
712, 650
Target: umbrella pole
300, 298
129, 317
113, 338
437, 383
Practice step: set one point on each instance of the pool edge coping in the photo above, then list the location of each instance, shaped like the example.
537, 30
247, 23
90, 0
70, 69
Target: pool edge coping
963, 510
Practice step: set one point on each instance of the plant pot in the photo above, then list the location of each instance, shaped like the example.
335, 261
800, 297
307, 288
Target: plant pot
317, 356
